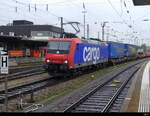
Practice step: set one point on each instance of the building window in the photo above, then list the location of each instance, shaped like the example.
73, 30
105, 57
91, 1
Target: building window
44, 34
2, 33
40, 33
51, 34
11, 33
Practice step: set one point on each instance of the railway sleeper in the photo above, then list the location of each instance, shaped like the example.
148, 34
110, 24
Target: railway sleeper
95, 103
113, 110
98, 99
116, 105
90, 106
104, 93
86, 110
121, 97
118, 102
101, 97
116, 108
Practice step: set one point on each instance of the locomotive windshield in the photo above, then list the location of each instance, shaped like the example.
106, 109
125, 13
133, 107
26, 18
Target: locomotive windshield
59, 47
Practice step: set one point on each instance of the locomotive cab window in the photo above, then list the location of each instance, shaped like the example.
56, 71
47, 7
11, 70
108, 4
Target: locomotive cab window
59, 47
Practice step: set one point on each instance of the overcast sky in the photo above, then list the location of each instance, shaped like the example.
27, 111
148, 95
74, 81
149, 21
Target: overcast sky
120, 14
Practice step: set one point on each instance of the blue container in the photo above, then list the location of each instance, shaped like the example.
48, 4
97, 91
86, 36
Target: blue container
87, 54
116, 50
131, 50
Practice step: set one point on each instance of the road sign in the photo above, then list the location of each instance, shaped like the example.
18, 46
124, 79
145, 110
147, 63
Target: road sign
3, 52
4, 64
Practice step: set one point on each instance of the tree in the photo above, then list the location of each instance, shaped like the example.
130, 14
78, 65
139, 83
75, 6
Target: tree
143, 46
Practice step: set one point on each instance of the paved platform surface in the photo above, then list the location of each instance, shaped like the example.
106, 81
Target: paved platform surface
144, 103
23, 60
138, 98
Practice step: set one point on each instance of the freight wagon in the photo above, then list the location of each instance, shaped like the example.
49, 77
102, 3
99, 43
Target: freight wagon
116, 52
131, 51
147, 51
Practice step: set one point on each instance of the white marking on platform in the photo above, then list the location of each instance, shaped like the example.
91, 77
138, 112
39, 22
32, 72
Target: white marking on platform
144, 103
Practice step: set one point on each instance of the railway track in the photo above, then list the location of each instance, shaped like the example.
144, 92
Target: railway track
23, 74
108, 96
26, 88
29, 88
23, 68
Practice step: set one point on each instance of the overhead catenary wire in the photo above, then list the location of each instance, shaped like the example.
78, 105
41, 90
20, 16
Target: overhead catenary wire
127, 10
21, 11
12, 9
35, 7
20, 7
117, 13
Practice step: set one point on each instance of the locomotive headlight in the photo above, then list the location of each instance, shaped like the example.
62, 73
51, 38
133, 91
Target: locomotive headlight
66, 61
47, 60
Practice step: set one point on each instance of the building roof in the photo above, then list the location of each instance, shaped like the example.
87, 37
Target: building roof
8, 39
141, 2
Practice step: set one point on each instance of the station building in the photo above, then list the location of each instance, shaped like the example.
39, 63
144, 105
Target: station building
18, 47
23, 38
28, 30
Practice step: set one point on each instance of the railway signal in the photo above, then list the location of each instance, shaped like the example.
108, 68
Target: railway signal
4, 70
4, 62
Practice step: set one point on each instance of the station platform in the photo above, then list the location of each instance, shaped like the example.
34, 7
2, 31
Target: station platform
24, 60
138, 98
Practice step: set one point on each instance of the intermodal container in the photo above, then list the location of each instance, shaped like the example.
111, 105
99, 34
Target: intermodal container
116, 50
131, 50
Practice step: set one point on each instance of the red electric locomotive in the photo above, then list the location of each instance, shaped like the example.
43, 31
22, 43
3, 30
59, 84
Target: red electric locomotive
60, 53
69, 55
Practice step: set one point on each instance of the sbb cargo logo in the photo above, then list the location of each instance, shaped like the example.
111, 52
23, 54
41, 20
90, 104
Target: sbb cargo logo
91, 54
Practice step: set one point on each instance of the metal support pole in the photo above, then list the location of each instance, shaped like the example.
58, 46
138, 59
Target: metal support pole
61, 33
21, 101
103, 32
84, 25
32, 95
98, 36
6, 94
84, 22
103, 25
87, 31
107, 33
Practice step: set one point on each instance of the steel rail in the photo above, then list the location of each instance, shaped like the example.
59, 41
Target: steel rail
22, 74
107, 107
28, 88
